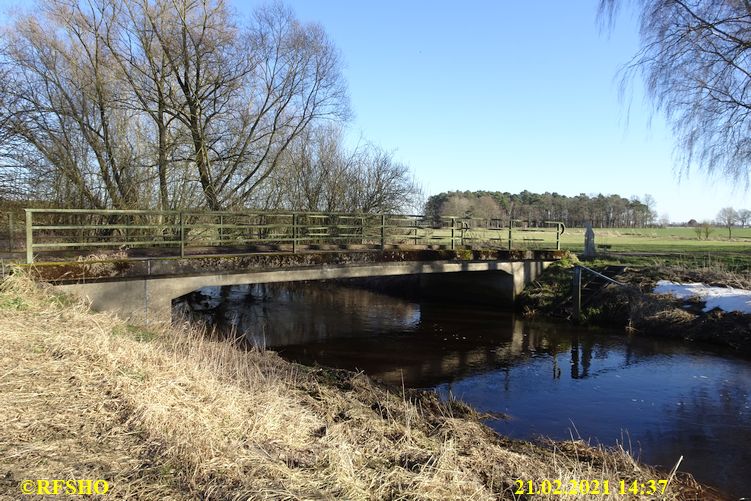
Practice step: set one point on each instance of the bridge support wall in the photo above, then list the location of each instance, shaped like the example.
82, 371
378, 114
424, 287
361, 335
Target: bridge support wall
149, 300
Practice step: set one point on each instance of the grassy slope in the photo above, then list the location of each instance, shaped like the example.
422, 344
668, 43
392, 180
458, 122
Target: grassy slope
174, 415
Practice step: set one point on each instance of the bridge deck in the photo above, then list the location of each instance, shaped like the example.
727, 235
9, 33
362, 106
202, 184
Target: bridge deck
109, 270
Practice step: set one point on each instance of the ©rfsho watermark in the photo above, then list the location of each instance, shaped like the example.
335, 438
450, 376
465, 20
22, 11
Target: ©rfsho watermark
70, 487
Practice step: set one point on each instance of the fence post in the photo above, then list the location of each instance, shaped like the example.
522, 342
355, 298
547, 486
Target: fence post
558, 236
362, 231
294, 232
453, 227
221, 229
182, 234
29, 238
576, 292
383, 231
461, 234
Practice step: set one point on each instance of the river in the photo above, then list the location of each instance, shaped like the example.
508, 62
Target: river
659, 399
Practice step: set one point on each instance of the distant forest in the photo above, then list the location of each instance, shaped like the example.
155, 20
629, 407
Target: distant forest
604, 211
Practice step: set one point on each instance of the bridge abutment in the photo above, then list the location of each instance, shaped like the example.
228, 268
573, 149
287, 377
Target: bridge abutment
488, 287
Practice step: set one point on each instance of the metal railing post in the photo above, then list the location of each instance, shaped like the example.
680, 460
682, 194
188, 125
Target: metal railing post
182, 234
576, 292
453, 229
383, 231
509, 234
294, 232
29, 238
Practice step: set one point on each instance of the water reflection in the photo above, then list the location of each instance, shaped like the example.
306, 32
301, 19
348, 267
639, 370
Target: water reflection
276, 315
662, 399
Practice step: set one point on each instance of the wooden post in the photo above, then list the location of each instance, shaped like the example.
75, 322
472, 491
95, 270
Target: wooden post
29, 238
415, 231
453, 228
294, 233
576, 292
383, 231
182, 234
558, 236
221, 229
362, 231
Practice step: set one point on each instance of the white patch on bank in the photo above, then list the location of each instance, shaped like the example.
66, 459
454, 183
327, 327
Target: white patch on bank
725, 298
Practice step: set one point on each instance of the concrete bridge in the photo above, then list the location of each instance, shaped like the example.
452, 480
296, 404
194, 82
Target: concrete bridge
149, 298
152, 258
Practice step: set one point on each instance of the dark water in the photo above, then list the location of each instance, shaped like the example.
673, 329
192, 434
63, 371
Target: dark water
659, 399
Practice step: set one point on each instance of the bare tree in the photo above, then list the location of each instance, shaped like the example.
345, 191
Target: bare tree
727, 217
694, 60
457, 206
318, 173
664, 220
60, 109
108, 99
744, 215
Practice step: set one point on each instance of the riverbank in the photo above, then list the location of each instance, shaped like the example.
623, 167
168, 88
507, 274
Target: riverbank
640, 311
172, 413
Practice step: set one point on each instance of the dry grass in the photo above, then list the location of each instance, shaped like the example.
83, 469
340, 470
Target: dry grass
175, 414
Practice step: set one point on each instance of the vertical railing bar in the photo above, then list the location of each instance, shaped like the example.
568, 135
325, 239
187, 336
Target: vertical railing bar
294, 232
453, 229
29, 238
127, 224
510, 226
576, 292
383, 231
182, 234
221, 229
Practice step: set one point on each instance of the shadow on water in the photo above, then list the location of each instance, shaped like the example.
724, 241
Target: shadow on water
661, 399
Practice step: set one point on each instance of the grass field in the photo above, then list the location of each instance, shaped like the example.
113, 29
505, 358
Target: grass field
660, 239
674, 245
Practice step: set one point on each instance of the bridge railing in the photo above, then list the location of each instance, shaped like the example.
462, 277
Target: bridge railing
72, 233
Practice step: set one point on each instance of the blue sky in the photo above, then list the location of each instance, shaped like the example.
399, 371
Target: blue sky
508, 96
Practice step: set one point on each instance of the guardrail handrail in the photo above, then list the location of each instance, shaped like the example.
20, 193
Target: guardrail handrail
607, 278
576, 292
78, 229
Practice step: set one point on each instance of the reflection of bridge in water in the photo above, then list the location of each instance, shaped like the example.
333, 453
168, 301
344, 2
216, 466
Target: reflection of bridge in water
145, 259
394, 339
565, 349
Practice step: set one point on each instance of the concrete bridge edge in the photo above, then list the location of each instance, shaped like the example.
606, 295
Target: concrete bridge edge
149, 300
